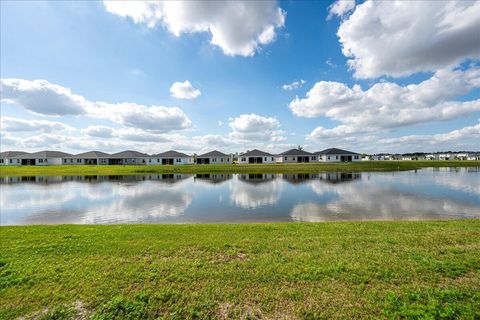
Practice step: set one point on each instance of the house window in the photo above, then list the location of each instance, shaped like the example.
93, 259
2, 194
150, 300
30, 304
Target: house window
46, 160
214, 159
149, 160
265, 159
79, 160
64, 160
356, 157
11, 161
221, 159
284, 158
178, 160
328, 157
272, 159
40, 160
314, 158
244, 159
336, 157
293, 158
1, 160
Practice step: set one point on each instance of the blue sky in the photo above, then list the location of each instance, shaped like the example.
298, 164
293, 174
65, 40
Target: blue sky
108, 57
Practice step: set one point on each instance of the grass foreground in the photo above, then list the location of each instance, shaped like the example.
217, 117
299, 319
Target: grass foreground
66, 170
249, 271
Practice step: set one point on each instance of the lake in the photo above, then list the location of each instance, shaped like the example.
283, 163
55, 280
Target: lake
432, 193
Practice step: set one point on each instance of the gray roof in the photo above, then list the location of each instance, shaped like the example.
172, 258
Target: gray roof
295, 152
11, 154
90, 155
128, 154
171, 154
256, 153
334, 151
44, 155
214, 153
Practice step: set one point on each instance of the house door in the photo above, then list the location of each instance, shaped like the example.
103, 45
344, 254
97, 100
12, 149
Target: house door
167, 161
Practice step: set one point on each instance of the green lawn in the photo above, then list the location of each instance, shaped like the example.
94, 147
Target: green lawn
261, 168
339, 270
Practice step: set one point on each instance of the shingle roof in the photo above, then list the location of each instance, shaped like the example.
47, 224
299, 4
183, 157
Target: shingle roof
171, 154
334, 151
127, 155
214, 153
90, 155
44, 155
256, 153
10, 154
295, 152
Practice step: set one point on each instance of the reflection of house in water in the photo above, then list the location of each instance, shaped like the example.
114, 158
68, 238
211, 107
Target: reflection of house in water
213, 178
165, 178
339, 177
296, 178
256, 177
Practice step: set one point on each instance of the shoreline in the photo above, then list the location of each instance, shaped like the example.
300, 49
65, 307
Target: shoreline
366, 166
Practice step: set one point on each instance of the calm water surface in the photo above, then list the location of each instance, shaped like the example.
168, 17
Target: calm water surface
445, 193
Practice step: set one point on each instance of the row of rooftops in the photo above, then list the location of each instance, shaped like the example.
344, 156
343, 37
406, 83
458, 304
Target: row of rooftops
129, 154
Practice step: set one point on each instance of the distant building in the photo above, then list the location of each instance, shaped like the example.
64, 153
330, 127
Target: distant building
256, 156
214, 157
170, 157
88, 158
42, 158
337, 155
10, 158
296, 156
127, 157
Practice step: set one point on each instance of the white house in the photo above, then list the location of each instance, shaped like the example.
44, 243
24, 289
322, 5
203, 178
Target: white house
127, 157
10, 158
296, 156
473, 156
170, 157
337, 155
90, 157
214, 157
43, 158
256, 156
445, 156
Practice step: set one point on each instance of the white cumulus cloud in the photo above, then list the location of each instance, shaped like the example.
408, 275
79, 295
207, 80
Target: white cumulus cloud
42, 97
10, 124
254, 127
294, 85
387, 105
399, 38
184, 90
237, 27
340, 8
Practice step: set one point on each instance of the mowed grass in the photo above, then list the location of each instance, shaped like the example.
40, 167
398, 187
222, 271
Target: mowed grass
339, 270
66, 170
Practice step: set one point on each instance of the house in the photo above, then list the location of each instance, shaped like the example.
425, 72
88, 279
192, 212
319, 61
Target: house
170, 157
127, 157
90, 157
473, 156
337, 155
431, 156
42, 158
445, 156
10, 158
256, 156
214, 157
296, 156
408, 158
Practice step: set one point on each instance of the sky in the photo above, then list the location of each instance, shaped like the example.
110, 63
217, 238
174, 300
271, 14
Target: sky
194, 76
